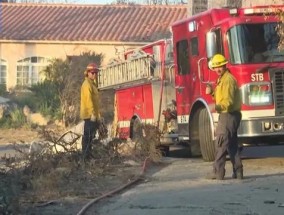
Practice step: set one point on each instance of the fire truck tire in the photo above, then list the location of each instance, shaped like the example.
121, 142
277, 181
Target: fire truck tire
205, 135
194, 136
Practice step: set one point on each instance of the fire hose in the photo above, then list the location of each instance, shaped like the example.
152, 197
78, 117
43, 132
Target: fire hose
135, 180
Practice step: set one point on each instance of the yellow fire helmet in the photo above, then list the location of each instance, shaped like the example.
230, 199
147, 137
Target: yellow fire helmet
218, 60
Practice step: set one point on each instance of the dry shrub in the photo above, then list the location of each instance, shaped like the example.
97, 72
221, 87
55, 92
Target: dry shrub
147, 145
9, 190
280, 29
46, 186
47, 174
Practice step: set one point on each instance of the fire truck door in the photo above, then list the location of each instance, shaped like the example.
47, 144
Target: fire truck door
137, 98
182, 81
194, 60
140, 101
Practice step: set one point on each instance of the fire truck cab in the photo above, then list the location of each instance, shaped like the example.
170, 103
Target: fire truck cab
164, 82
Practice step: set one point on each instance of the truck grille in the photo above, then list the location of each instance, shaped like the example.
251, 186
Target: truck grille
277, 76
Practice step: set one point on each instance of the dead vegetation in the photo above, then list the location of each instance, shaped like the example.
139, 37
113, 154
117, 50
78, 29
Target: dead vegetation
44, 177
280, 29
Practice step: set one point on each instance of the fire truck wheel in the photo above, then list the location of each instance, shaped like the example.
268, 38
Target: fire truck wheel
205, 135
194, 136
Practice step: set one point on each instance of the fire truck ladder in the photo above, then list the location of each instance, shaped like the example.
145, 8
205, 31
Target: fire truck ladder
127, 72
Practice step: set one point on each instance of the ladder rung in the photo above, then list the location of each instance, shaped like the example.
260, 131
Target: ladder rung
124, 72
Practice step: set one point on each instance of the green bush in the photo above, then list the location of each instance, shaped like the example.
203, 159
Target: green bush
25, 98
46, 98
3, 91
15, 119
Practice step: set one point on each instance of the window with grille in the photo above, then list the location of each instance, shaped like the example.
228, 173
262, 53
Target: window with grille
29, 70
3, 71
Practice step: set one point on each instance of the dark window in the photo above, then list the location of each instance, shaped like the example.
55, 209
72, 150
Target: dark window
254, 43
182, 57
219, 44
33, 59
194, 46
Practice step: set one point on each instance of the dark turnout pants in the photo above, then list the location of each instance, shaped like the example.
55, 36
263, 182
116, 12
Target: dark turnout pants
90, 129
227, 142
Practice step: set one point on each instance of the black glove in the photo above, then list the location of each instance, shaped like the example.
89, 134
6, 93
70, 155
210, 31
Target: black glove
218, 108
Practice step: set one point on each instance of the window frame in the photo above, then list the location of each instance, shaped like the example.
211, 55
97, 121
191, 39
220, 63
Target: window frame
31, 68
194, 46
3, 63
182, 48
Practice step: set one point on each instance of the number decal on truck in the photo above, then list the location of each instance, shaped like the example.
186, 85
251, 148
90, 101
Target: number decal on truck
183, 119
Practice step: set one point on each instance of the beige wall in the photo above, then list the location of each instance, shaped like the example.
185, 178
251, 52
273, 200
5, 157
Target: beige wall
13, 52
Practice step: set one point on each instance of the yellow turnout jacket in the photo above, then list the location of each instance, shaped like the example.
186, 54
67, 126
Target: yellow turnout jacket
89, 99
227, 94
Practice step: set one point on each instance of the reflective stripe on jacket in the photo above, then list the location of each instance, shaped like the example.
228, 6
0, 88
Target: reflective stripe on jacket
227, 94
89, 100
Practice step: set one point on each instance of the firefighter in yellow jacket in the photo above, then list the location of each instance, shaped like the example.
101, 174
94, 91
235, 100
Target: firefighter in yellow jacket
228, 105
89, 109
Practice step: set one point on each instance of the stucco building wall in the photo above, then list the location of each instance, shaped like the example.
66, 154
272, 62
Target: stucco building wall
12, 52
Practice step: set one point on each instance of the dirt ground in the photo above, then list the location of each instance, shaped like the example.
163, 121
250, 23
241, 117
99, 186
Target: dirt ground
84, 186
17, 135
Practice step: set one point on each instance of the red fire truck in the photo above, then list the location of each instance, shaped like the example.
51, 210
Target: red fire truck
164, 83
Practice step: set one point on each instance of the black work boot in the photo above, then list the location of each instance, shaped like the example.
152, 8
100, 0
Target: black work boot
220, 176
238, 174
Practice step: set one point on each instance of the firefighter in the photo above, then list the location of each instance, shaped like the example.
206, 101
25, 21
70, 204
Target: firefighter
89, 108
228, 105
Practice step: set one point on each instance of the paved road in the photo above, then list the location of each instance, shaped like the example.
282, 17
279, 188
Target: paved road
179, 187
248, 152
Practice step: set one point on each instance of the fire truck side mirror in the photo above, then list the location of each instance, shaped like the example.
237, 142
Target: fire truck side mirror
211, 45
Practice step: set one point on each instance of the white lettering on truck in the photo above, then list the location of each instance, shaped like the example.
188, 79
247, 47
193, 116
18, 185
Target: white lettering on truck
257, 77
